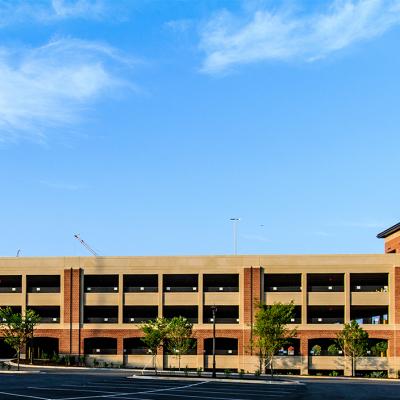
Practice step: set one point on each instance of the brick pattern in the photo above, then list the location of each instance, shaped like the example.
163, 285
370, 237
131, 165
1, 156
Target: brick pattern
252, 285
393, 245
69, 339
71, 307
396, 283
252, 293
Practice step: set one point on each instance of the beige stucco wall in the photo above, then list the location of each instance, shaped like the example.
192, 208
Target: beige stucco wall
284, 297
370, 298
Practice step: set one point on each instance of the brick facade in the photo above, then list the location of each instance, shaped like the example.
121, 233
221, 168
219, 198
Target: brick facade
393, 245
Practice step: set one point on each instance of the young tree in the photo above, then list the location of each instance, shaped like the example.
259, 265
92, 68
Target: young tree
353, 341
155, 333
271, 332
179, 337
17, 329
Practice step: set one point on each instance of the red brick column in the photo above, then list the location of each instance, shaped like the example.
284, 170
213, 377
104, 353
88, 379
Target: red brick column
396, 289
252, 293
252, 296
393, 245
69, 340
200, 346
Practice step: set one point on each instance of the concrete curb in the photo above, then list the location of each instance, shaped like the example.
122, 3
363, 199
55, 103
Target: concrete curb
344, 378
233, 380
20, 372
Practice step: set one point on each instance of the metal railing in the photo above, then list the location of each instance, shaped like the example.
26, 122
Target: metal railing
102, 351
283, 289
221, 289
101, 289
139, 351
136, 320
222, 320
101, 320
49, 320
138, 289
326, 288
6, 289
222, 352
325, 353
327, 320
180, 289
43, 289
370, 288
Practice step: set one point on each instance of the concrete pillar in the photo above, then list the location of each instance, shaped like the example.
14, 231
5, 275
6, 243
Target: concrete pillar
347, 297
304, 298
160, 295
200, 301
120, 298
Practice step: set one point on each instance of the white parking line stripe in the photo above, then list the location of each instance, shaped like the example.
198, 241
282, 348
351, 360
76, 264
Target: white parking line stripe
226, 389
25, 395
71, 390
201, 397
131, 393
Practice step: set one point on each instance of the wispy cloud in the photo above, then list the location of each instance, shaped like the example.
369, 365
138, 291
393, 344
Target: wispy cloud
282, 34
78, 9
179, 25
61, 186
359, 224
50, 86
47, 11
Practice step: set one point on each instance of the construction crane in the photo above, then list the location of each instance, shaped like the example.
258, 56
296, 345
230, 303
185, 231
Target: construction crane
84, 244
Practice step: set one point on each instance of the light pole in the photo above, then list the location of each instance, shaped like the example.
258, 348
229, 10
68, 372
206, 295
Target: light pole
235, 221
214, 310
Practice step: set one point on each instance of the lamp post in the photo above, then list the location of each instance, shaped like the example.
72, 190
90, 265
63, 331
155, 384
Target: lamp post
214, 310
235, 221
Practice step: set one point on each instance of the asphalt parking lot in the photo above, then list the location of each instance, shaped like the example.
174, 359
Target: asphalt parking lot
56, 386
98, 385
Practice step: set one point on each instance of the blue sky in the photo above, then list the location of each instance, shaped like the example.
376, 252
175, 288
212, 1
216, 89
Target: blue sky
145, 125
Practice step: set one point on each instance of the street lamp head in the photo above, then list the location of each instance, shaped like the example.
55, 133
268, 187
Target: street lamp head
234, 219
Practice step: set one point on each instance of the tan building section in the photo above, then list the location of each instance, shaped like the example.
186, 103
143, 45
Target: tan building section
92, 305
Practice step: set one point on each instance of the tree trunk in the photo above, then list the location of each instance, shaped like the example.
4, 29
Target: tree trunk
271, 366
18, 357
179, 362
155, 363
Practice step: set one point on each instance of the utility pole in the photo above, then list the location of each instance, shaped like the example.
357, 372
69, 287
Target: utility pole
214, 310
234, 221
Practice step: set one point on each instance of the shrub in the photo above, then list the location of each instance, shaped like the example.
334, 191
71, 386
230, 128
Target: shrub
227, 372
381, 348
55, 358
199, 371
316, 350
378, 374
333, 350
333, 373
241, 373
257, 372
